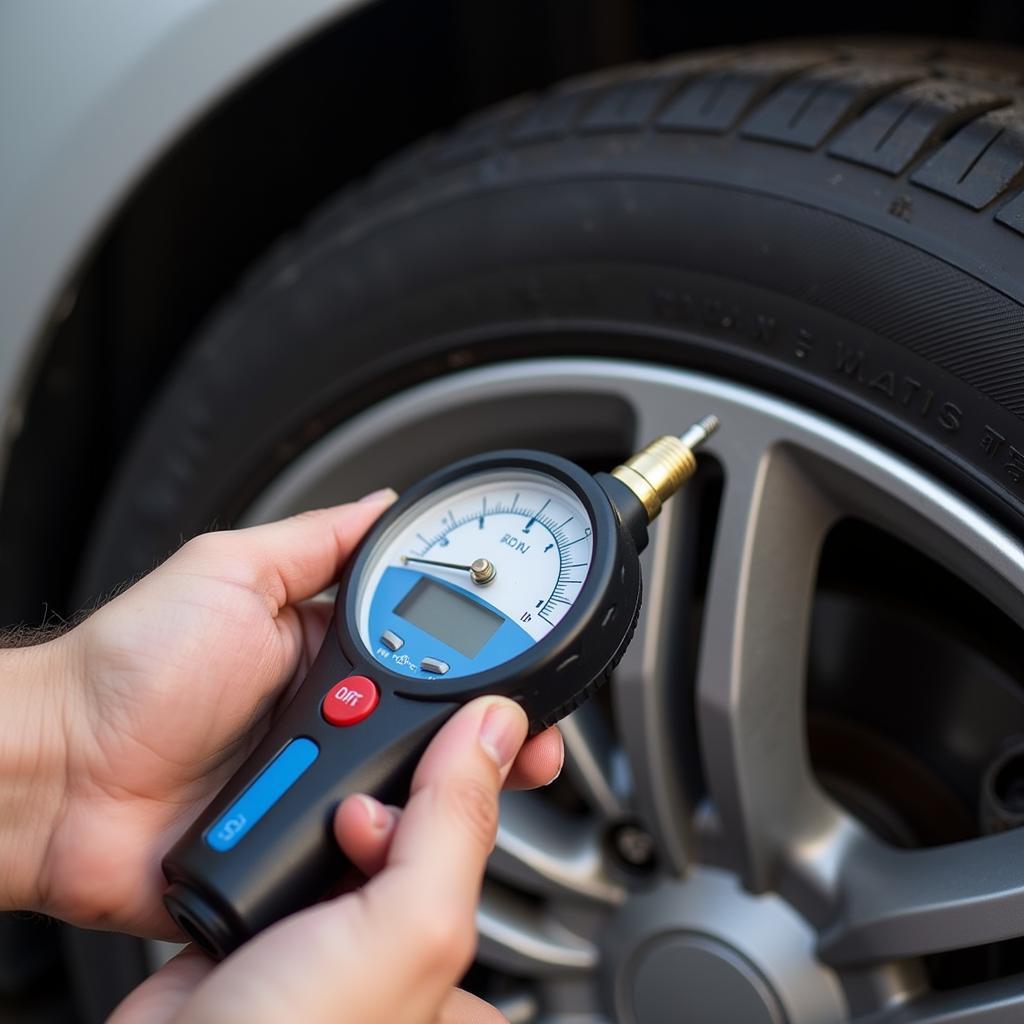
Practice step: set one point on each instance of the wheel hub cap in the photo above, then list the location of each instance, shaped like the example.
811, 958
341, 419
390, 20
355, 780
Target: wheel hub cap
697, 980
704, 951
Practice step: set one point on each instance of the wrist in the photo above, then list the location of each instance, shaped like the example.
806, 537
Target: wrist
37, 684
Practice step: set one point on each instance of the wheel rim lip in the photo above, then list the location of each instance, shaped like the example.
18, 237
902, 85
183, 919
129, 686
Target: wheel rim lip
595, 376
983, 552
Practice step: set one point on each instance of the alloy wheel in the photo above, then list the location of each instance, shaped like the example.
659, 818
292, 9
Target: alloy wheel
691, 865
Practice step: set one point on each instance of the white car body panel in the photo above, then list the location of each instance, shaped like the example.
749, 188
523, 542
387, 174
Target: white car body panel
91, 95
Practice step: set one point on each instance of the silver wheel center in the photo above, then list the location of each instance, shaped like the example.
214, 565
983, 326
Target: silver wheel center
696, 979
764, 900
704, 951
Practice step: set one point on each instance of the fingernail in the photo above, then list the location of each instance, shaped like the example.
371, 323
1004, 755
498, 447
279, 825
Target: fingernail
502, 733
385, 492
561, 765
379, 817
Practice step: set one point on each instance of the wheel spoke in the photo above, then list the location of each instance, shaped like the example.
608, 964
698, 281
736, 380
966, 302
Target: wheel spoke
551, 854
591, 761
518, 1007
903, 903
653, 686
994, 1002
753, 654
521, 939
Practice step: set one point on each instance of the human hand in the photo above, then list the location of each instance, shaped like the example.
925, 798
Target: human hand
390, 952
137, 717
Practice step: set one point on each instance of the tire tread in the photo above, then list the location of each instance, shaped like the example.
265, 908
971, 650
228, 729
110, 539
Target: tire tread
947, 122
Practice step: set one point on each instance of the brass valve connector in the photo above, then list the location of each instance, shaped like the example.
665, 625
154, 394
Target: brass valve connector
659, 470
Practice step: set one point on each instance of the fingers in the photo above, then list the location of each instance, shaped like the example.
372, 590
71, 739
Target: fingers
364, 827
290, 560
435, 864
462, 1008
539, 762
308, 622
159, 998
314, 618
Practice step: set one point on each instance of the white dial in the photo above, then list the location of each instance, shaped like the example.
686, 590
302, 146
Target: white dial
516, 541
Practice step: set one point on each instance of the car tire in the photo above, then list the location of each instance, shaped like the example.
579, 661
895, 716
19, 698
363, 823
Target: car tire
841, 224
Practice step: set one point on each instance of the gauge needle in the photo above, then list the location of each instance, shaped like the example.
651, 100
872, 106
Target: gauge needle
481, 570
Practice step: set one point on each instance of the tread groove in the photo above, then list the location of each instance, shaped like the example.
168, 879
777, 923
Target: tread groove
1012, 214
895, 132
840, 93
891, 130
717, 102
807, 103
627, 108
980, 162
904, 111
977, 159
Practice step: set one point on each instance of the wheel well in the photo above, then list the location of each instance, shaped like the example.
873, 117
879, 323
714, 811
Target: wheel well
246, 174
254, 167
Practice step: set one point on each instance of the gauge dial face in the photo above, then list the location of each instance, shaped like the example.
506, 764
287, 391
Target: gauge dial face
516, 547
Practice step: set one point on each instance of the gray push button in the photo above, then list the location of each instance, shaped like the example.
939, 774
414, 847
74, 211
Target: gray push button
392, 640
435, 666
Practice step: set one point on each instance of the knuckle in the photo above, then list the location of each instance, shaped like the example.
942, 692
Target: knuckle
225, 555
209, 549
202, 544
463, 949
474, 805
444, 938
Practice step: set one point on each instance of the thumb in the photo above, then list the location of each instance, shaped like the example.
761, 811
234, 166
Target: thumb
289, 560
435, 866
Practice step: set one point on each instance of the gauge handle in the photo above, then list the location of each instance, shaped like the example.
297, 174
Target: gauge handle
265, 846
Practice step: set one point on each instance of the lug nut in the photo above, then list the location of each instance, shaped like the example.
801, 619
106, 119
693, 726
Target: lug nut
634, 846
1002, 790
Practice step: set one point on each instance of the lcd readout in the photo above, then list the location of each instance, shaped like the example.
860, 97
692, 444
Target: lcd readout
452, 618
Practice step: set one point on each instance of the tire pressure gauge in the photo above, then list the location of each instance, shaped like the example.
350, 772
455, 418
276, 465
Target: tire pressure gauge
477, 573
512, 573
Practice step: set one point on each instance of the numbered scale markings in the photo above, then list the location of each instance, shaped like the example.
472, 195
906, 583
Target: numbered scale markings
516, 544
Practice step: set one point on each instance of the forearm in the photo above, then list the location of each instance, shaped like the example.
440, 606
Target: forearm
36, 695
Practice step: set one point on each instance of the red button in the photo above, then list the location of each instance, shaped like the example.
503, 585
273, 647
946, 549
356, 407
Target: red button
350, 701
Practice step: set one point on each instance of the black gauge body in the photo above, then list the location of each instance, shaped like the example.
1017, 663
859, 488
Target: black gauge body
264, 847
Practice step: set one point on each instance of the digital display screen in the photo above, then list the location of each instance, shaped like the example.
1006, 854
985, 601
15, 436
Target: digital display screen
452, 618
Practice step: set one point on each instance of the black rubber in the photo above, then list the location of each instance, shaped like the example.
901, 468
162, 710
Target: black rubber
839, 223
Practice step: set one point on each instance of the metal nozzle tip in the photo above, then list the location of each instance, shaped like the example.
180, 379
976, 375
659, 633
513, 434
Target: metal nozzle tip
700, 431
656, 472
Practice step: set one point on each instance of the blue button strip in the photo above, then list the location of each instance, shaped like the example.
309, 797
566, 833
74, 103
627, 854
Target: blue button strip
264, 791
